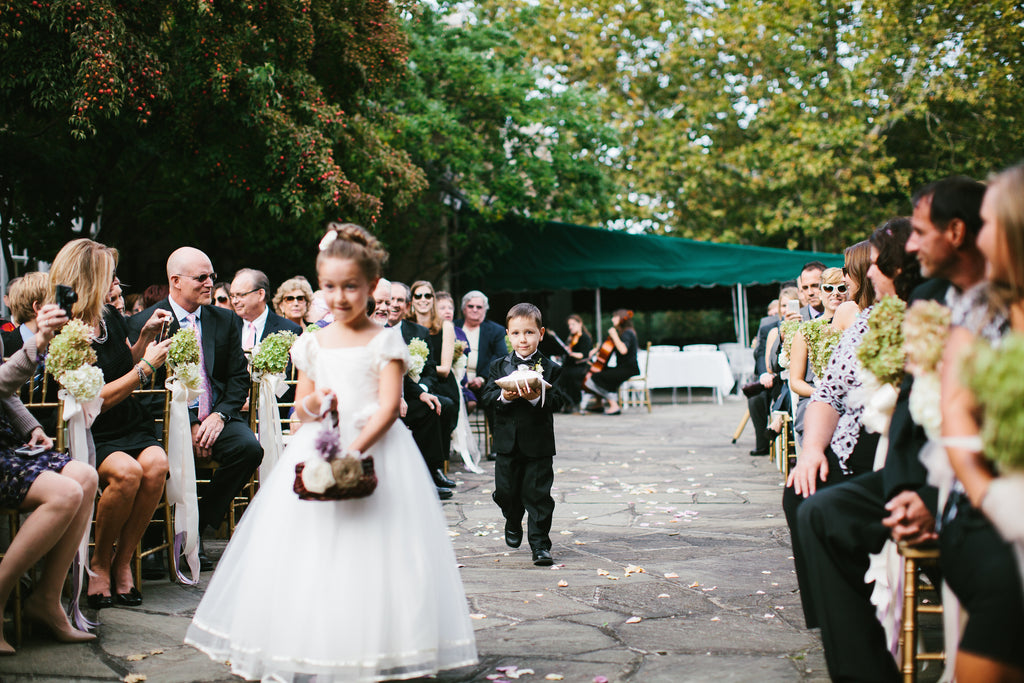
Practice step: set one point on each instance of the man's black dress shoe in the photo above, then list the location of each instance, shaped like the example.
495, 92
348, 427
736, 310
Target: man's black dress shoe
542, 558
442, 481
205, 563
99, 601
153, 567
443, 493
513, 537
132, 598
760, 452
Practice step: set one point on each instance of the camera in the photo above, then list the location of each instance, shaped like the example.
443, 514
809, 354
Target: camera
65, 298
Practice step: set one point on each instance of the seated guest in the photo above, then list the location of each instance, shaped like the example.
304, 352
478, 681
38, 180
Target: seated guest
222, 295
841, 525
26, 296
835, 445
115, 297
606, 382
577, 362
809, 283
442, 352
422, 410
381, 302
293, 299
249, 291
486, 338
980, 536
446, 309
133, 304
801, 375
56, 492
218, 431
860, 293
154, 294
131, 463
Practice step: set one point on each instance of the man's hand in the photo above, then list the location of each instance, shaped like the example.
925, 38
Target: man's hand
403, 408
39, 438
810, 466
909, 519
205, 434
432, 401
475, 383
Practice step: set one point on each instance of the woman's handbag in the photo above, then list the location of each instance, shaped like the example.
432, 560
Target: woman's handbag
753, 389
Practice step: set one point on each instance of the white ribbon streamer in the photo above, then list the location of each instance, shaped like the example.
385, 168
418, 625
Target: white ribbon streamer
272, 386
79, 416
181, 481
462, 436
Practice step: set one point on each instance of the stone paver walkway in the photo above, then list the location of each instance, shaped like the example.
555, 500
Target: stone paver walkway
672, 564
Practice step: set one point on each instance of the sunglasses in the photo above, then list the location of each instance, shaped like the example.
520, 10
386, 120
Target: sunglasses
297, 297
423, 295
200, 278
222, 299
828, 289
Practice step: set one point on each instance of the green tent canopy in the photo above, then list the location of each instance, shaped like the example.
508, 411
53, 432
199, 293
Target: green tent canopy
553, 256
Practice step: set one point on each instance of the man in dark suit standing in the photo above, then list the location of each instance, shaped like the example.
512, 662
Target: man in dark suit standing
249, 292
840, 525
765, 360
422, 410
218, 431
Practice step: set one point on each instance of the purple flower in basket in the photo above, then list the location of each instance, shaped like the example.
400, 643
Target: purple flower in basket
328, 443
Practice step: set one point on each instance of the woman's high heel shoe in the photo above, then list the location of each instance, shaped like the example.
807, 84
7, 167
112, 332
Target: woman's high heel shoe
62, 633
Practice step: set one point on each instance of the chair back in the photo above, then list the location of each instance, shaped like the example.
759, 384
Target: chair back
39, 395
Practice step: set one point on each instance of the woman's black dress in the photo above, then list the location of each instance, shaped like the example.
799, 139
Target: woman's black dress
127, 426
448, 387
626, 365
575, 370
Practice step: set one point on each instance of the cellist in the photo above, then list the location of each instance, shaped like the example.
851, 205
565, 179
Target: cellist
622, 342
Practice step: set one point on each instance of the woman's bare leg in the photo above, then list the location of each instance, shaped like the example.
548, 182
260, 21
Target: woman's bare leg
121, 476
60, 504
153, 462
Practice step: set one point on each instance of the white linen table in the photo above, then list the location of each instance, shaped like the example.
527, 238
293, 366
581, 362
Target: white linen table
689, 369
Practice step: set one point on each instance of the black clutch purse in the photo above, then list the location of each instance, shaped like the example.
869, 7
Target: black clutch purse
753, 389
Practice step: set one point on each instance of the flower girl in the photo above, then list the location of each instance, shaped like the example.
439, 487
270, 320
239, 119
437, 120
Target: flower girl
362, 589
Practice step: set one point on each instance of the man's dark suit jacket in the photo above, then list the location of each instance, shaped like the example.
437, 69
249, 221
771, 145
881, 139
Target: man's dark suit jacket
767, 324
277, 323
903, 468
491, 345
518, 423
222, 352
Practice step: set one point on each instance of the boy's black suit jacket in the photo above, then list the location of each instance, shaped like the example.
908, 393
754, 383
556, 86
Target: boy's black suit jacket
518, 423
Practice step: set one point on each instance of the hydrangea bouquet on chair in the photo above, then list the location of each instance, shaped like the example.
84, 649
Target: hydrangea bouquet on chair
70, 360
268, 361
334, 473
185, 382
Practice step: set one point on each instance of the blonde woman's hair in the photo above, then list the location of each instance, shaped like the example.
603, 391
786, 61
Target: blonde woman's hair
88, 268
290, 285
1009, 212
832, 276
436, 321
31, 288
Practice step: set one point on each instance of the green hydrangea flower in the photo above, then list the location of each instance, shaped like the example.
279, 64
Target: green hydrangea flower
993, 374
881, 350
184, 348
272, 355
70, 349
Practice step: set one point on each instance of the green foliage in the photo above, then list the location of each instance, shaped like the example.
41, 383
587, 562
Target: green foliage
881, 349
70, 349
993, 376
272, 355
821, 339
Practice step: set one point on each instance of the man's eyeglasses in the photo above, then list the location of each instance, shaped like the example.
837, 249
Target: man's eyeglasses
239, 296
298, 297
222, 299
828, 289
423, 295
474, 306
202, 277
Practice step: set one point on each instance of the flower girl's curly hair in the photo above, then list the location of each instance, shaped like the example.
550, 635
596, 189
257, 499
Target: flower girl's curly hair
351, 241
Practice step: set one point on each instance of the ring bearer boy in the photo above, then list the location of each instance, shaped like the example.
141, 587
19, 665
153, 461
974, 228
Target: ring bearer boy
524, 434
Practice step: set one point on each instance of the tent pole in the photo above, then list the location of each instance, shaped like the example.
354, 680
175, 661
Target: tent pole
597, 315
736, 314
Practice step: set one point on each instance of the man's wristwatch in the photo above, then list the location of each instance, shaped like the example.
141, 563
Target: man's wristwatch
223, 417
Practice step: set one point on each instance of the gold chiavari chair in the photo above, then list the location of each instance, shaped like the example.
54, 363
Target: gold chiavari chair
914, 558
162, 398
13, 525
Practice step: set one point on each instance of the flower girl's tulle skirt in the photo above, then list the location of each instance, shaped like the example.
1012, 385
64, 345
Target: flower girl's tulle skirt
357, 590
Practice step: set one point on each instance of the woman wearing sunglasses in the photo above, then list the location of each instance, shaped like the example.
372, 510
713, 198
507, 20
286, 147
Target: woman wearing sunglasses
834, 292
221, 295
292, 300
442, 351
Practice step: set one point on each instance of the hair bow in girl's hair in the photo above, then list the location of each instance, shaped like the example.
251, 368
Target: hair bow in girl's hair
326, 240
629, 315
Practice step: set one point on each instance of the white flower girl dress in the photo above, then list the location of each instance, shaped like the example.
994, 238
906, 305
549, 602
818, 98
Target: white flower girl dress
354, 590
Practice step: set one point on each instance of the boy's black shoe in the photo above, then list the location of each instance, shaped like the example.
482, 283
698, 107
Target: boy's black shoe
542, 558
443, 493
513, 537
442, 481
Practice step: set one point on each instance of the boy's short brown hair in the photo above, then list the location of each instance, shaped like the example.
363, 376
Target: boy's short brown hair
32, 288
525, 311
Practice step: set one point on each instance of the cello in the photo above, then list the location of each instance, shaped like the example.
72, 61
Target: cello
601, 359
